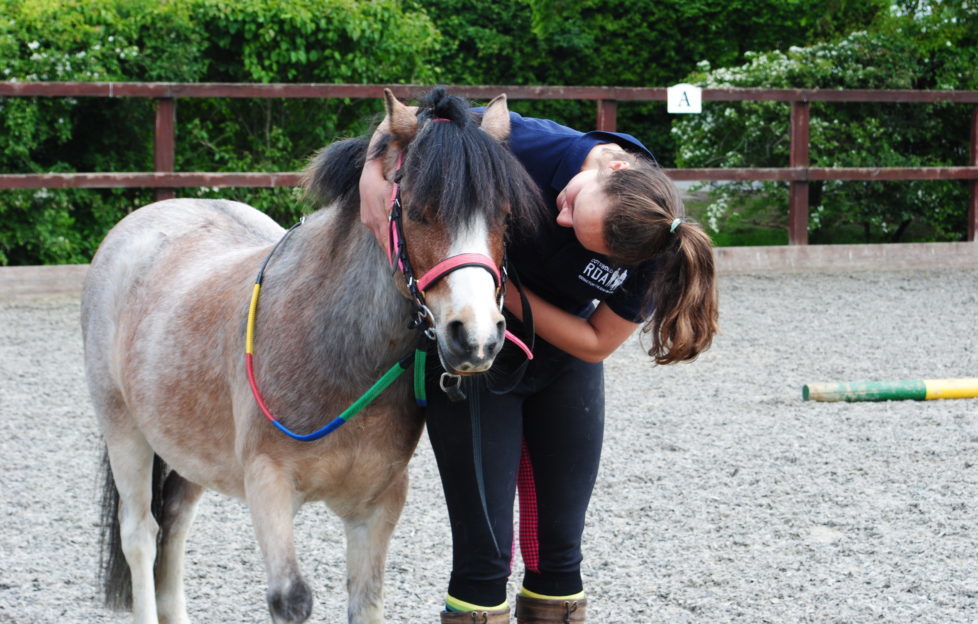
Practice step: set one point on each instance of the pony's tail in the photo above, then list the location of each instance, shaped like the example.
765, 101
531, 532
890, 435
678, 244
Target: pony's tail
334, 172
114, 574
685, 296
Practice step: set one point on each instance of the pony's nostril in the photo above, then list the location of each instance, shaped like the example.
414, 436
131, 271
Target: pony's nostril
497, 343
464, 344
457, 336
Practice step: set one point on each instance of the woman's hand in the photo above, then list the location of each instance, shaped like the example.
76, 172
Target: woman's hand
375, 195
376, 191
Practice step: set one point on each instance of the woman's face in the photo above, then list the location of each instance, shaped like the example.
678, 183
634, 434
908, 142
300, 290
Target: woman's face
583, 206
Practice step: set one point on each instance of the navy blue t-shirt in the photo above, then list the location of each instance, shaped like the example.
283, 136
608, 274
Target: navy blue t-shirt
552, 263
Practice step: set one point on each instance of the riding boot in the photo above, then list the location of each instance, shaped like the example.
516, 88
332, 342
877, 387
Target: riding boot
495, 616
547, 611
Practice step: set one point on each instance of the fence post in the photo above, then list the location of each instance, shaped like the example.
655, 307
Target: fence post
164, 146
798, 189
973, 184
607, 115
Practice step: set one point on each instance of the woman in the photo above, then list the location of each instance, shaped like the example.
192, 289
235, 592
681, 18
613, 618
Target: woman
615, 254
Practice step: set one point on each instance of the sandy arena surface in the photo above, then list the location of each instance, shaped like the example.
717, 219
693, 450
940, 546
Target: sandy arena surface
722, 497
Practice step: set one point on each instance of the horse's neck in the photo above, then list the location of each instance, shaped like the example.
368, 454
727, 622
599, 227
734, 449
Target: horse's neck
340, 299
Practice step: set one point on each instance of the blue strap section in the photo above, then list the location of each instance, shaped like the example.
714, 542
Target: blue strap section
332, 426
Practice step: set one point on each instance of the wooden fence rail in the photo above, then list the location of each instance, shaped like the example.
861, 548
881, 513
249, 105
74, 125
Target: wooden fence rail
798, 173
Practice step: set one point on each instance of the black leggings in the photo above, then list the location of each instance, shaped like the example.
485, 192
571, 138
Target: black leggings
556, 413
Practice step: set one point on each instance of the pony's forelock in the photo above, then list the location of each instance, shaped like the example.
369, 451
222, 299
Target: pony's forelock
459, 170
439, 104
454, 169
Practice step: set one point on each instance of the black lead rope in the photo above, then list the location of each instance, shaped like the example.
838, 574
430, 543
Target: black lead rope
475, 414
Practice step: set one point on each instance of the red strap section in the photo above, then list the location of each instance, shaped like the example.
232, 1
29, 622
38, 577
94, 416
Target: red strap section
391, 230
453, 263
250, 370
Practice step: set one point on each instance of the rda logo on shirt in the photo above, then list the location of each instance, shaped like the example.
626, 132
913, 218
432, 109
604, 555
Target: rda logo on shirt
599, 275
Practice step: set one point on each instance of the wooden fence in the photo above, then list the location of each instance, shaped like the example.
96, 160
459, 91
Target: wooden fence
798, 173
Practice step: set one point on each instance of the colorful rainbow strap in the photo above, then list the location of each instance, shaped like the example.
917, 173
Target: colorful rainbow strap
418, 358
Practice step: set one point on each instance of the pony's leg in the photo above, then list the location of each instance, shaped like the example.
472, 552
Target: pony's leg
273, 502
367, 540
180, 499
131, 459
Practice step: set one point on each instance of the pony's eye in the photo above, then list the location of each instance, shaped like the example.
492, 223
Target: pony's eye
417, 216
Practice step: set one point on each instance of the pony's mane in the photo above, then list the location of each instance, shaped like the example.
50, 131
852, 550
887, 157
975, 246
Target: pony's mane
333, 173
452, 167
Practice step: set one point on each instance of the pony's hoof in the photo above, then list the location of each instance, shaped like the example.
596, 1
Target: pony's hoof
291, 606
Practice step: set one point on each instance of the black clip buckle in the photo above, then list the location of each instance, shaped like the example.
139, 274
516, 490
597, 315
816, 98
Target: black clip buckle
452, 386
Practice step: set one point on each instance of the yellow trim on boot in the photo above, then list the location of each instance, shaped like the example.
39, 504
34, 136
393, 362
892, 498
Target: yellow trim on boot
526, 592
454, 604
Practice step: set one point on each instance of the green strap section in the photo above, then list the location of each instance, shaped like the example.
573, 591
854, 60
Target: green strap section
379, 386
420, 357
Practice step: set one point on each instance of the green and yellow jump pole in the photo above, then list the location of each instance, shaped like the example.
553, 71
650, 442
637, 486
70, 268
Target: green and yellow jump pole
913, 390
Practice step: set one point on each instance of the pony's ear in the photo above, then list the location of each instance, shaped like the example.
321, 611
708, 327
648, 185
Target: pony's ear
403, 123
495, 120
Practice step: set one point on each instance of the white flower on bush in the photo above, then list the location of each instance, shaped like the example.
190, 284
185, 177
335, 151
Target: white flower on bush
716, 211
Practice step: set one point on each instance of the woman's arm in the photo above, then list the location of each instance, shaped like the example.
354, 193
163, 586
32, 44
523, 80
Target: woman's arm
592, 339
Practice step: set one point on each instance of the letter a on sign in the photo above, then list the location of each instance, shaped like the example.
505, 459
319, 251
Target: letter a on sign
684, 98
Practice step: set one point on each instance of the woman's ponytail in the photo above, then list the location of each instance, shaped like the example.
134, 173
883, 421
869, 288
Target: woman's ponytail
646, 221
684, 294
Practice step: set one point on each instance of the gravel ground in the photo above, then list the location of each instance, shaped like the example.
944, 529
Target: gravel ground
723, 497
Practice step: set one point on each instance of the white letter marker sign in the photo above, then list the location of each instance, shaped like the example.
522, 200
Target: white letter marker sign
684, 98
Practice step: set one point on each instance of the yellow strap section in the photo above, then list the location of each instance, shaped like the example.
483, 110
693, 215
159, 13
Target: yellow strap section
455, 604
526, 592
966, 388
250, 333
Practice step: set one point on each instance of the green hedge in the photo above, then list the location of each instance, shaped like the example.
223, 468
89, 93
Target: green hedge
932, 51
590, 42
337, 41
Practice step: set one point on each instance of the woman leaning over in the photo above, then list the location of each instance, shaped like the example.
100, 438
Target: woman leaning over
614, 254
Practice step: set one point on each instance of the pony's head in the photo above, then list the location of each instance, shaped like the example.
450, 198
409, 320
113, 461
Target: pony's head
459, 188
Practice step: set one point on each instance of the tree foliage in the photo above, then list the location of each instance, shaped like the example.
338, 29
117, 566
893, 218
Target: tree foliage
913, 50
579, 42
338, 41
640, 43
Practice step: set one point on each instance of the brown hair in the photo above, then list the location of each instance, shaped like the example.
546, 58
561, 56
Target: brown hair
639, 227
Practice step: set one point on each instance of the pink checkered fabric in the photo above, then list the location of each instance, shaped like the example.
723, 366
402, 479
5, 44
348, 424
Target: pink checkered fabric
529, 543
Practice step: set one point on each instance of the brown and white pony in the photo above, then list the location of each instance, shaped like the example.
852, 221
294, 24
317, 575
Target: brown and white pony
164, 312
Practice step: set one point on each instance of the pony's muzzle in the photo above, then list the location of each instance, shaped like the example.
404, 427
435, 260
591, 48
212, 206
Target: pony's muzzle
470, 328
465, 349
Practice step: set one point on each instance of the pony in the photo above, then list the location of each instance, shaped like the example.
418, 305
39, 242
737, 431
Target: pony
167, 321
